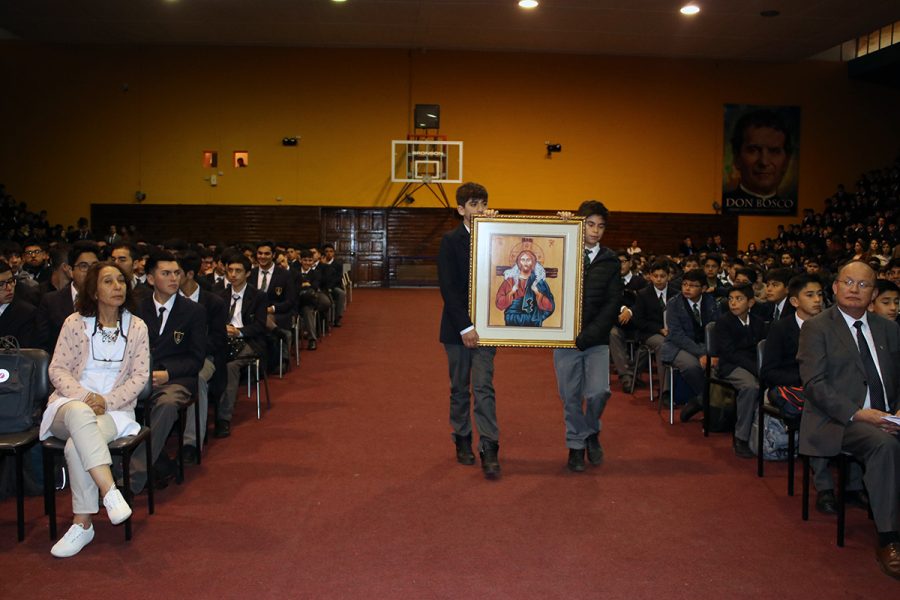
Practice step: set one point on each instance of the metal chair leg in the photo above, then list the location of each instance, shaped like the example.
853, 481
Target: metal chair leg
258, 397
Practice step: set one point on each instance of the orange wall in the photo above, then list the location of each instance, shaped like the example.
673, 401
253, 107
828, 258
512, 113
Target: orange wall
641, 134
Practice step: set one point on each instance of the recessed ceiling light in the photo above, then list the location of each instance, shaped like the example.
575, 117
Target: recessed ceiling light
690, 9
528, 3
339, 0
769, 13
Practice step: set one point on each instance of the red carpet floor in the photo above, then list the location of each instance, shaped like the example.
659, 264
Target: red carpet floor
348, 488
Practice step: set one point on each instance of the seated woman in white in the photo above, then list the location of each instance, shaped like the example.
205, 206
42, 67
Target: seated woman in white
100, 365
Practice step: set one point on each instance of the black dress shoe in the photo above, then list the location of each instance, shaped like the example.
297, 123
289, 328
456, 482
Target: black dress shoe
858, 498
223, 429
826, 503
464, 455
576, 460
889, 559
689, 410
742, 449
189, 453
594, 449
490, 464
337, 323
311, 345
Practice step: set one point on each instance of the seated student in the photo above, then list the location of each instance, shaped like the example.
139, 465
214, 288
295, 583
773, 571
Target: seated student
177, 331
309, 299
55, 307
887, 302
215, 280
27, 288
277, 283
712, 267
125, 255
649, 313
776, 305
60, 271
624, 329
687, 314
17, 317
246, 331
334, 283
212, 374
324, 298
34, 263
781, 375
737, 333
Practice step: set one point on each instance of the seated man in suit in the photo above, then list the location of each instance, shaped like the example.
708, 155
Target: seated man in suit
27, 288
212, 375
17, 317
309, 299
215, 279
685, 347
649, 313
278, 284
177, 331
737, 333
334, 283
55, 307
780, 369
624, 328
60, 271
776, 305
849, 366
246, 331
34, 263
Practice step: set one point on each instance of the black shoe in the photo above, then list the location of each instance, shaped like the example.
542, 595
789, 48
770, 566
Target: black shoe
163, 472
337, 323
223, 429
689, 410
742, 449
311, 345
627, 385
826, 502
464, 455
189, 454
576, 460
489, 461
594, 449
858, 498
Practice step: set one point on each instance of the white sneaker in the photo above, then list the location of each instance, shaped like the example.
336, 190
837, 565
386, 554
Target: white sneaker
75, 539
116, 507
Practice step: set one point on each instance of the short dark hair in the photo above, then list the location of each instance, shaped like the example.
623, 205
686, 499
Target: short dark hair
83, 247
86, 304
883, 286
267, 243
745, 290
659, 265
190, 262
237, 257
132, 251
759, 118
713, 257
746, 271
780, 275
4, 266
34, 242
306, 253
894, 263
158, 257
695, 275
326, 246
59, 256
590, 208
799, 282
470, 190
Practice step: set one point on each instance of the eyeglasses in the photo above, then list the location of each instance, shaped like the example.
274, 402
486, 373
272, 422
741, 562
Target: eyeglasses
32, 252
83, 266
862, 285
8, 283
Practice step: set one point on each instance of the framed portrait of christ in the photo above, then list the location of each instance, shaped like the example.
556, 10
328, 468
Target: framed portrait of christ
526, 278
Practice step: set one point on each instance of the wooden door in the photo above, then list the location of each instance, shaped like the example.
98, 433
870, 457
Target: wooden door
359, 236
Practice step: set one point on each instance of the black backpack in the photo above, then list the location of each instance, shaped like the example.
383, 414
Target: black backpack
17, 378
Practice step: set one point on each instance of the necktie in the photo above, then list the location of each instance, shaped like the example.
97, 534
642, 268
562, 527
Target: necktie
162, 309
234, 301
876, 391
777, 314
697, 314
587, 258
265, 282
662, 301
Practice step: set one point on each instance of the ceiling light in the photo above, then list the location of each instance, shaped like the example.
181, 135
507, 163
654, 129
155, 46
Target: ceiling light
528, 3
690, 9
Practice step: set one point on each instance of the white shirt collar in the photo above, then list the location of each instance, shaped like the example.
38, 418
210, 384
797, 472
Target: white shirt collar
850, 320
799, 320
3, 307
168, 305
74, 291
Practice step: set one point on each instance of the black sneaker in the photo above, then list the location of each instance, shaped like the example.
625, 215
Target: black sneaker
576, 460
464, 455
594, 449
223, 429
742, 449
826, 503
490, 464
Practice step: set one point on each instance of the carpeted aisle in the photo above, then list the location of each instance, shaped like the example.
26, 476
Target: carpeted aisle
348, 488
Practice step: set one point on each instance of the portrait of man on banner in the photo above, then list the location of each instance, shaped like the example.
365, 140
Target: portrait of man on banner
761, 158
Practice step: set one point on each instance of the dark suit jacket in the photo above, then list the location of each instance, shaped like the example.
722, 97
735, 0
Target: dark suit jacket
766, 310
684, 333
19, 320
453, 276
834, 378
210, 279
216, 320
181, 347
253, 316
281, 293
648, 314
736, 345
601, 298
332, 275
53, 310
780, 366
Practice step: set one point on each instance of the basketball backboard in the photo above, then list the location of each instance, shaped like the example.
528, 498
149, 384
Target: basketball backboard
426, 160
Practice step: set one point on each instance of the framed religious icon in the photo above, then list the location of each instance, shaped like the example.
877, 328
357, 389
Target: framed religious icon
526, 280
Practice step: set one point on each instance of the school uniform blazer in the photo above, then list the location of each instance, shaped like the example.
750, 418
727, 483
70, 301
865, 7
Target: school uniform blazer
766, 310
212, 284
735, 344
281, 292
453, 276
253, 315
680, 320
53, 310
834, 378
333, 275
181, 347
216, 338
780, 366
648, 314
18, 320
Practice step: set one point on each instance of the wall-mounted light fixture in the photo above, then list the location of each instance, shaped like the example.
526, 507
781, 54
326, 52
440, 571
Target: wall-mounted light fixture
552, 148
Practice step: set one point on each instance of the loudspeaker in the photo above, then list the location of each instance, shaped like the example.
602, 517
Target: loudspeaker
428, 116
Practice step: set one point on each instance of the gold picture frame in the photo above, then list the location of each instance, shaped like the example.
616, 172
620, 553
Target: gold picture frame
526, 278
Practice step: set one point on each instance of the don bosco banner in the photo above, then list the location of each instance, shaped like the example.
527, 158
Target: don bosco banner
761, 159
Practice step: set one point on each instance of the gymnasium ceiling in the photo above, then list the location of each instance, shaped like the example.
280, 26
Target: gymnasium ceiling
725, 29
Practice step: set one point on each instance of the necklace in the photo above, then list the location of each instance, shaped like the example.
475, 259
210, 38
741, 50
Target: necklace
108, 336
